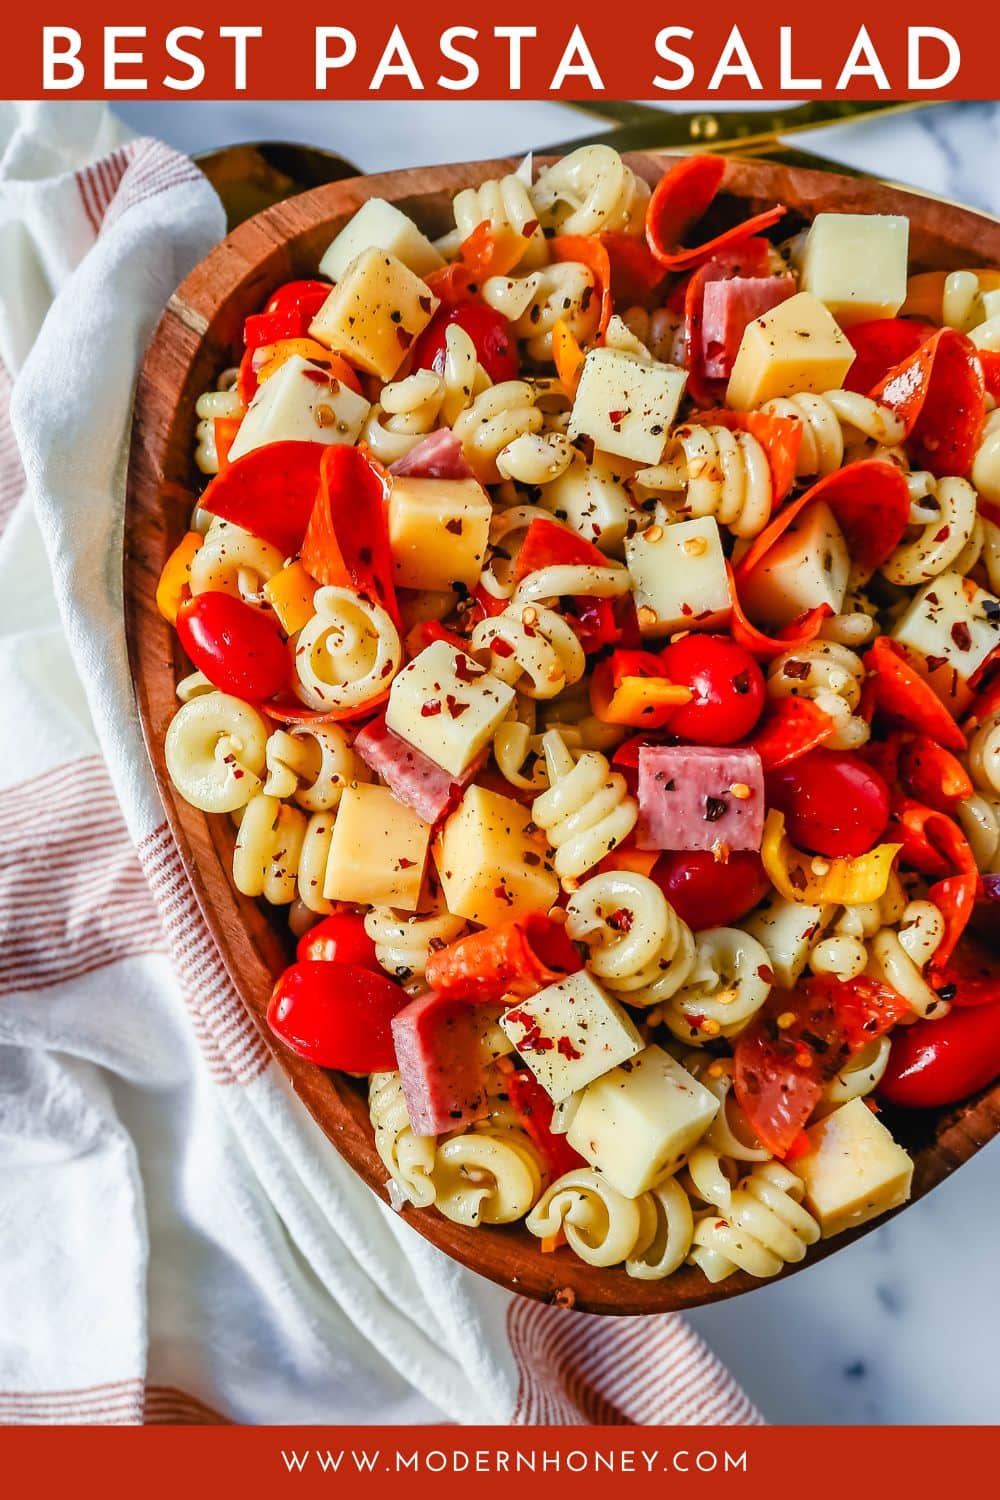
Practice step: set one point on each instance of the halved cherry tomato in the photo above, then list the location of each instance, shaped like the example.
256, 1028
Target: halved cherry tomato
833, 803
304, 297
705, 893
534, 1107
727, 687
937, 1062
340, 938
239, 649
970, 975
336, 1015
496, 347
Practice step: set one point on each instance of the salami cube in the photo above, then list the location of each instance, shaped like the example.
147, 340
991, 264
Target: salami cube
439, 1052
696, 797
411, 776
728, 307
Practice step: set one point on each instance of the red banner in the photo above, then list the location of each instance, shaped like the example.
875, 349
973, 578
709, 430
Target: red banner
249, 50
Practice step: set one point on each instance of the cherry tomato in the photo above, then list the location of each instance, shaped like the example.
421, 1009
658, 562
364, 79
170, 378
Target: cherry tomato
336, 1015
727, 684
340, 938
496, 349
705, 893
239, 649
939, 1062
834, 804
305, 297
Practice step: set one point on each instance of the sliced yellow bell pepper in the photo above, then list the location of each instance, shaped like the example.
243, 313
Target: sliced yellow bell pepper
290, 594
644, 701
284, 349
925, 291
567, 356
816, 882
175, 580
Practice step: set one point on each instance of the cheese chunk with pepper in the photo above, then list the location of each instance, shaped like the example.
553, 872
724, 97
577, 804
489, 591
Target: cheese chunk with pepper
570, 1034
301, 403
625, 405
378, 850
438, 530
854, 1170
446, 705
786, 930
374, 313
950, 628
679, 576
795, 347
856, 264
807, 566
637, 1123
492, 863
382, 226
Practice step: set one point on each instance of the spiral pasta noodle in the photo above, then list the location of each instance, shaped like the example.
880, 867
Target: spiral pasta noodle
651, 1233
408, 1158
533, 304
590, 191
724, 989
947, 526
832, 676
899, 958
492, 1172
979, 814
311, 764
834, 422
763, 1227
717, 473
347, 653
280, 853
660, 331
729, 1136
532, 648
493, 421
404, 942
224, 401
215, 751
986, 463
638, 946
232, 561
587, 810
505, 204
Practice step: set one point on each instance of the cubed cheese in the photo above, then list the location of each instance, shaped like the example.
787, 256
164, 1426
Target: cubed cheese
381, 226
856, 264
438, 530
593, 501
570, 1034
679, 577
786, 930
796, 347
446, 705
304, 403
808, 565
374, 314
950, 628
491, 862
636, 1123
854, 1170
378, 850
625, 405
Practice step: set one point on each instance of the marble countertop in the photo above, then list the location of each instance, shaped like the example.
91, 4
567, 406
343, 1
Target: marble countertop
903, 1326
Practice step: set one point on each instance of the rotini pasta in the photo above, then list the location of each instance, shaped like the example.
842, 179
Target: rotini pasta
532, 648
408, 1158
347, 654
590, 191
724, 988
947, 520
979, 814
404, 942
714, 472
224, 402
281, 854
831, 675
762, 1229
505, 204
311, 764
495, 419
231, 561
533, 304
836, 424
638, 946
586, 811
215, 751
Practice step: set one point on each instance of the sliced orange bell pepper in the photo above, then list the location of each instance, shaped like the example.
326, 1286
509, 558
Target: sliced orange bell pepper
317, 354
567, 356
175, 580
519, 958
290, 594
629, 687
494, 252
226, 429
626, 857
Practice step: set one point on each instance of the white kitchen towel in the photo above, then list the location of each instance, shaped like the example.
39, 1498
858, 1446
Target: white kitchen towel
178, 1240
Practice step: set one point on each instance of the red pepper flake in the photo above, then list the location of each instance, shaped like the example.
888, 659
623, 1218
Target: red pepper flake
616, 418
404, 338
936, 662
430, 708
621, 920
503, 894
405, 864
566, 1049
527, 230
798, 670
501, 647
455, 707
465, 670
943, 534
961, 635
424, 304
766, 973
454, 526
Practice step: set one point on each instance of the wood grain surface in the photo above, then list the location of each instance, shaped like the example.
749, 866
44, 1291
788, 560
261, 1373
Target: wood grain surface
200, 333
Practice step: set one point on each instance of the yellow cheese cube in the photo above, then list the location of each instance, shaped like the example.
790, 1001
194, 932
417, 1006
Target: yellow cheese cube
807, 566
445, 704
797, 346
438, 530
786, 930
854, 1170
378, 850
951, 627
491, 866
626, 405
301, 402
383, 226
571, 1034
374, 313
856, 264
636, 1123
679, 577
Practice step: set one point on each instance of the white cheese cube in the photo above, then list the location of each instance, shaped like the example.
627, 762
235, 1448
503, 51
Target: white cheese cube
438, 531
637, 1123
951, 627
807, 566
854, 1170
492, 862
301, 402
382, 226
571, 1034
445, 704
374, 313
679, 578
786, 930
856, 264
378, 850
797, 346
593, 501
625, 405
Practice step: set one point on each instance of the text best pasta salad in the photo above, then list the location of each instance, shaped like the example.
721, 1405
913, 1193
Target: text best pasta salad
592, 627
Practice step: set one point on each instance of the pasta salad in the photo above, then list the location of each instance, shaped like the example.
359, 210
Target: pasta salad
594, 630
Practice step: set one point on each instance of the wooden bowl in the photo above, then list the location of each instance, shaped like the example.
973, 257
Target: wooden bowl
200, 333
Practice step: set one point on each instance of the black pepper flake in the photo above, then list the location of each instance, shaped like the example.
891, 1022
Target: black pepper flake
715, 807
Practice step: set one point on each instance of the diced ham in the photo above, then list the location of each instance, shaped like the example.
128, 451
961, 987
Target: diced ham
409, 774
696, 797
438, 456
728, 307
439, 1054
